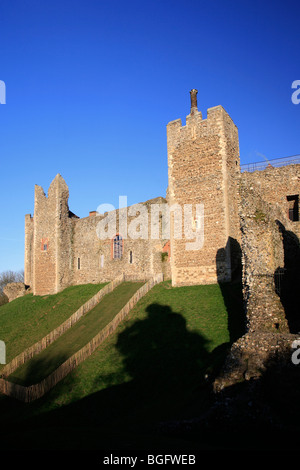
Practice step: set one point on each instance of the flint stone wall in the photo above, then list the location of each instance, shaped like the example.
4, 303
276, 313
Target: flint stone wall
265, 229
13, 290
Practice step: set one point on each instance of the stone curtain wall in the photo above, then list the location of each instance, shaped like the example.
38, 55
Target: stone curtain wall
53, 335
203, 163
274, 185
96, 255
262, 255
61, 249
266, 227
33, 392
269, 245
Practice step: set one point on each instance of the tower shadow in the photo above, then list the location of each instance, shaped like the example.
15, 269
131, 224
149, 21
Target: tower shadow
163, 377
287, 279
160, 349
232, 291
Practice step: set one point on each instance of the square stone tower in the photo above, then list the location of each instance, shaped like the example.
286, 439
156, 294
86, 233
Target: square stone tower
203, 172
48, 240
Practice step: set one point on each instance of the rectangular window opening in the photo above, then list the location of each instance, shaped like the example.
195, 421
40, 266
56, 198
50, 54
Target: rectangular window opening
78, 263
44, 244
117, 247
293, 207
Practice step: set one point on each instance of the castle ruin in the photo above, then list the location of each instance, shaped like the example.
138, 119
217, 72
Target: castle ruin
248, 222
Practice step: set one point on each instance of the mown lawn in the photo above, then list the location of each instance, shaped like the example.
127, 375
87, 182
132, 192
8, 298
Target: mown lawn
26, 320
173, 335
41, 365
157, 366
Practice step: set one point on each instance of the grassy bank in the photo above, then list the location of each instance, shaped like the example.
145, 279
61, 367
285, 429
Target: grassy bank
28, 319
157, 366
41, 365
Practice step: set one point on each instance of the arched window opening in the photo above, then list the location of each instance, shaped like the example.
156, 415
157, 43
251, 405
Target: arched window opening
117, 247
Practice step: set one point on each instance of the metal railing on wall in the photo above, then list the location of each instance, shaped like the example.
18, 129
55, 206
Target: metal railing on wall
275, 162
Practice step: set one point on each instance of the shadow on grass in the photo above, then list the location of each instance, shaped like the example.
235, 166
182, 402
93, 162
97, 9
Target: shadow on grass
171, 375
168, 404
232, 291
37, 369
168, 367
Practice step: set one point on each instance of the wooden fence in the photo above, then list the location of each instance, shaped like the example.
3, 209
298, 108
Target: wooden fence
33, 392
54, 334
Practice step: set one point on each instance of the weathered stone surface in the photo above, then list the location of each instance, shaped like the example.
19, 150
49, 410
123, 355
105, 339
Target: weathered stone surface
61, 249
13, 290
246, 219
204, 168
270, 260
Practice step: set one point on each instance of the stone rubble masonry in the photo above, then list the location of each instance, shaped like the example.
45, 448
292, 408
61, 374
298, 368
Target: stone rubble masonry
48, 240
275, 185
61, 249
141, 257
204, 168
262, 254
264, 218
13, 290
263, 214
243, 213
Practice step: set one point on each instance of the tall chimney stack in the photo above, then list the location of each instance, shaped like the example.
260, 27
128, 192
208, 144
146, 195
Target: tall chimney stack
193, 94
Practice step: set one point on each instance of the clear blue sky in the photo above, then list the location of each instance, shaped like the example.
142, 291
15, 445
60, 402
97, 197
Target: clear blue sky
92, 84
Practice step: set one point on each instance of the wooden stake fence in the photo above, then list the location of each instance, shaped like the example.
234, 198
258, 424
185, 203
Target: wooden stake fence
33, 392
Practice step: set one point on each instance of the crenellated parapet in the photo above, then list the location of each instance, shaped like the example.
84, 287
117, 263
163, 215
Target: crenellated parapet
204, 168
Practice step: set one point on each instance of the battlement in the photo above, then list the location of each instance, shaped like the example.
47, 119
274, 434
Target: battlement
203, 167
213, 115
217, 121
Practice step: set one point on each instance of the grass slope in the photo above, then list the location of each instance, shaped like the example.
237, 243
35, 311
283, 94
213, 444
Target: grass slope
41, 365
26, 320
152, 369
172, 338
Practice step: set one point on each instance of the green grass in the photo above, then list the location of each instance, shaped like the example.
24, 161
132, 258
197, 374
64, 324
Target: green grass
26, 320
41, 365
157, 366
174, 336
